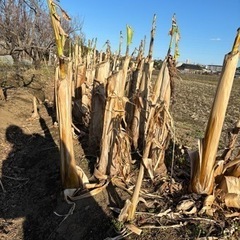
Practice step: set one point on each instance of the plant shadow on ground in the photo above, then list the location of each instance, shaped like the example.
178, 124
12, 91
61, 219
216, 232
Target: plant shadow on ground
32, 193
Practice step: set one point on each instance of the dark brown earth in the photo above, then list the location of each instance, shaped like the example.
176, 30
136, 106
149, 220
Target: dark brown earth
32, 205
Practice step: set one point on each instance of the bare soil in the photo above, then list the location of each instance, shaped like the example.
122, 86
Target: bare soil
32, 205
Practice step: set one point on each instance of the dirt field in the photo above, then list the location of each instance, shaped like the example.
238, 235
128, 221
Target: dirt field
32, 206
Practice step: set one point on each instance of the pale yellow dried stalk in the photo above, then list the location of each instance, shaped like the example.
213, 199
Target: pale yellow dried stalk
69, 175
98, 104
202, 177
162, 92
80, 79
114, 111
35, 114
134, 119
71, 178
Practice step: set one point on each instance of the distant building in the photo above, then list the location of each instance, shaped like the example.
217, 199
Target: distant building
214, 68
190, 68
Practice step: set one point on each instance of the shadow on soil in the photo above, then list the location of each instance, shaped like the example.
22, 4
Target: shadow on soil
31, 180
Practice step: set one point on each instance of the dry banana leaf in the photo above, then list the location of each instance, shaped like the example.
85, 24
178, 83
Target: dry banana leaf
134, 229
232, 200
230, 184
207, 205
123, 216
187, 206
232, 168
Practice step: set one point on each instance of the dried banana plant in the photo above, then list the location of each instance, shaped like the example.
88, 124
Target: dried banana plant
115, 157
113, 117
141, 96
87, 85
79, 70
156, 135
204, 161
98, 104
227, 172
71, 176
157, 127
159, 122
232, 135
134, 105
81, 102
116, 57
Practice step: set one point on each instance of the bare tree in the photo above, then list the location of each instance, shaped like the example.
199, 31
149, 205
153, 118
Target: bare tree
25, 28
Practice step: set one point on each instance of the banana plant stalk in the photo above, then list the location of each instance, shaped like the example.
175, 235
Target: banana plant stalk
144, 88
69, 174
152, 37
202, 179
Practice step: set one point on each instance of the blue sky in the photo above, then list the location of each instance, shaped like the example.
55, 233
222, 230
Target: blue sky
207, 27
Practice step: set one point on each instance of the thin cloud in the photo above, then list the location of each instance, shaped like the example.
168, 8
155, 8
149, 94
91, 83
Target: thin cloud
215, 39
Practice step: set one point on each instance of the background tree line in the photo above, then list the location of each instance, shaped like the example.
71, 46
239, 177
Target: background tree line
26, 31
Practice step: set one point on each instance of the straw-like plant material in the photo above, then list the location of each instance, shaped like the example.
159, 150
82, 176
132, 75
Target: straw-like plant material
123, 216
35, 114
160, 140
232, 134
207, 205
134, 229
71, 177
102, 71
232, 168
134, 109
153, 124
76, 63
144, 91
202, 177
97, 113
85, 101
113, 117
230, 185
86, 94
150, 52
140, 91
155, 135
187, 206
232, 200
234, 171
90, 75
80, 79
120, 154
158, 123
81, 106
98, 104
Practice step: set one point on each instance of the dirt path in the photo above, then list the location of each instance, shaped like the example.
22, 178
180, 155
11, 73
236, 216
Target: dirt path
30, 192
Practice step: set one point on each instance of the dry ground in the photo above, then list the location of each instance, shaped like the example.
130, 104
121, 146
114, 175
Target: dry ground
32, 206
